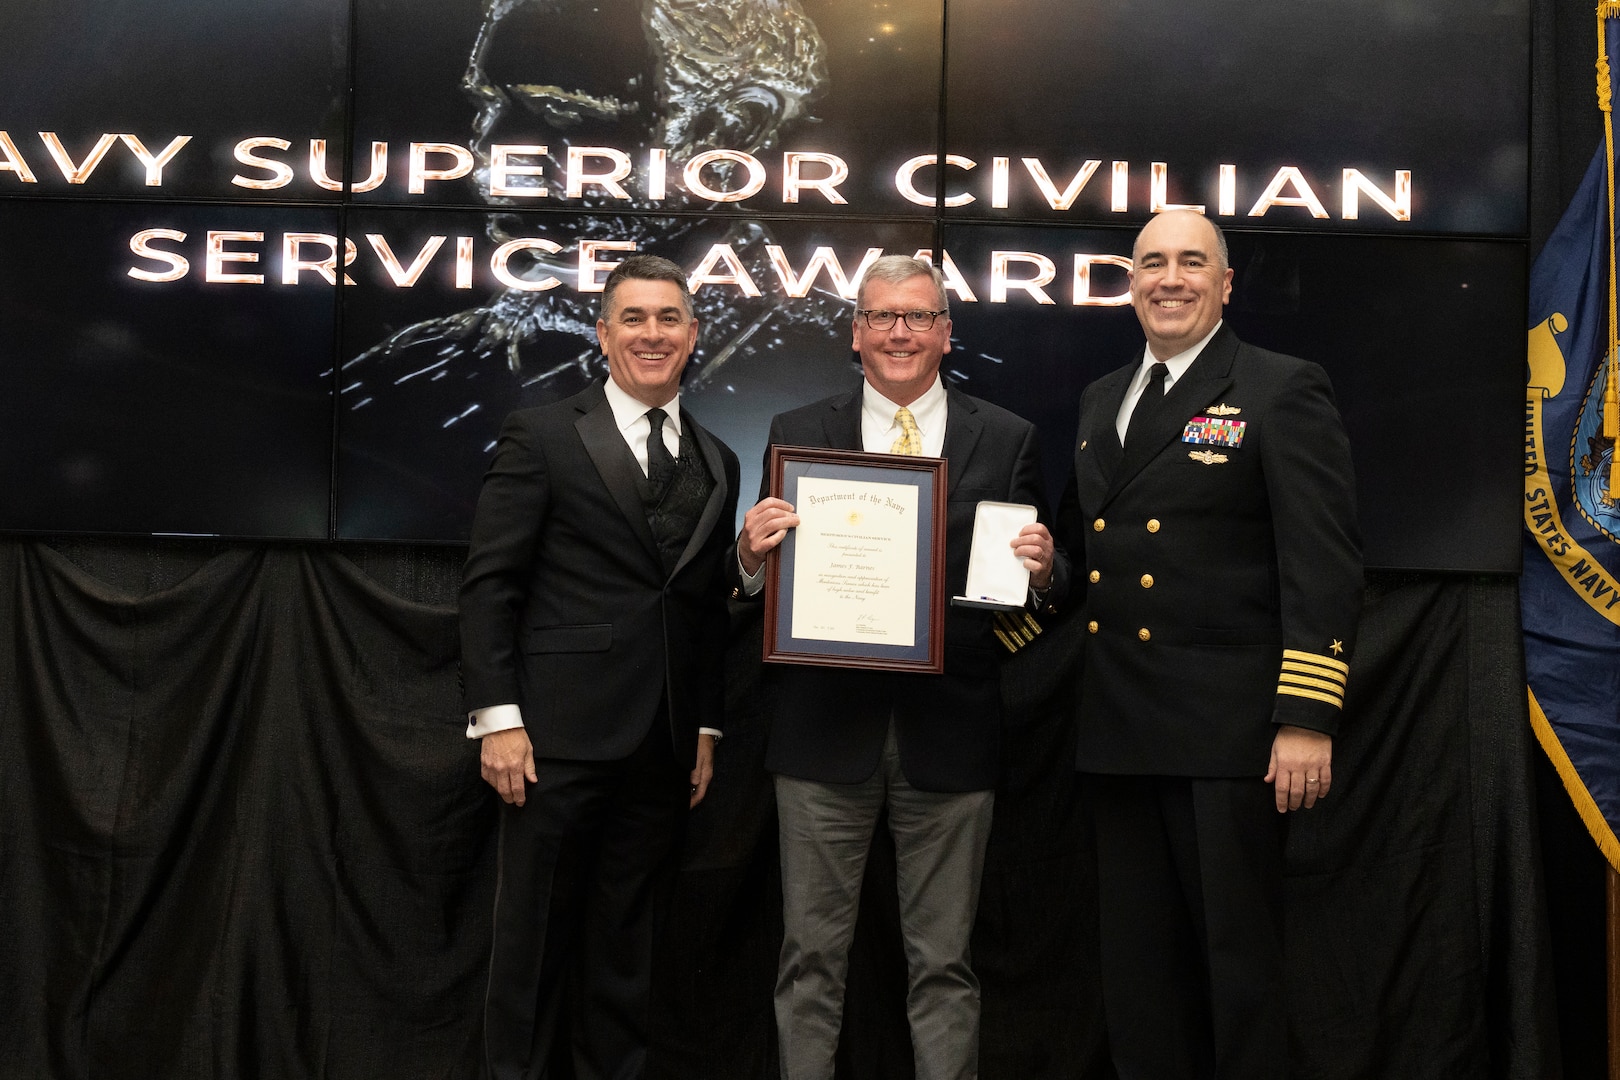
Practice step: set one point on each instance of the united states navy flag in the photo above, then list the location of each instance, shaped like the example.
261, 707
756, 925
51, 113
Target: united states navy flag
1570, 592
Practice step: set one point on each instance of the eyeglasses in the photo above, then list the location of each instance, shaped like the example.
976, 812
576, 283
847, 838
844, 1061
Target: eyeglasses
918, 321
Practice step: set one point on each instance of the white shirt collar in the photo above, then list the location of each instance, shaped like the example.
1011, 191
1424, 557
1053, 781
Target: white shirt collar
1178, 364
627, 410
877, 418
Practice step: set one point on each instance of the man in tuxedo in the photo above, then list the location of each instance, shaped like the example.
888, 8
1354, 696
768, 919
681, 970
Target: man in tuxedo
1212, 516
845, 742
593, 628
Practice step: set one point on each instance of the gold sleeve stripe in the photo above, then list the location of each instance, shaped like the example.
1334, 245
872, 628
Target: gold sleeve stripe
1294, 691
1313, 669
1008, 643
1321, 659
1321, 684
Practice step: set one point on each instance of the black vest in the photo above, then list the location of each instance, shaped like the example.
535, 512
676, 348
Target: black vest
673, 512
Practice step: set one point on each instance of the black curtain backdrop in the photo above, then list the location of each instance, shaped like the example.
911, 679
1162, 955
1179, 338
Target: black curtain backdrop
245, 837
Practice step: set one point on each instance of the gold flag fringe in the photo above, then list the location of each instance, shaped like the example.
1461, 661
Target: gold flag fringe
1585, 805
1609, 9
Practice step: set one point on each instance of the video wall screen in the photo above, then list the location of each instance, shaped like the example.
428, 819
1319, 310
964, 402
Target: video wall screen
172, 99
162, 401
1366, 116
411, 205
1400, 326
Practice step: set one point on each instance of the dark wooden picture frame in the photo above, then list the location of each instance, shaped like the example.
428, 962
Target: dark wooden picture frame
788, 465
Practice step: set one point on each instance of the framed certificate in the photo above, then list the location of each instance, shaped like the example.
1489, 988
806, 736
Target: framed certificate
861, 581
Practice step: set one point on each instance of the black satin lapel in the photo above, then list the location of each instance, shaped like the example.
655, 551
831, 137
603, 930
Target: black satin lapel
709, 520
962, 427
618, 469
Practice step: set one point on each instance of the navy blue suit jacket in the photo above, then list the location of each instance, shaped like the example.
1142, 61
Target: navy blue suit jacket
829, 724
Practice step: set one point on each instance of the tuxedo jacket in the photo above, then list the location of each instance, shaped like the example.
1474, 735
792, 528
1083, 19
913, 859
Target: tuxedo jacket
565, 605
1221, 564
829, 724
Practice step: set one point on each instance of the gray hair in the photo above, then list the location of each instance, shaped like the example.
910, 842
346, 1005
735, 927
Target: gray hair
897, 268
1220, 243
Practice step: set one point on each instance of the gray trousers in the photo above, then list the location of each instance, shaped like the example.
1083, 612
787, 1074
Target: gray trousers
939, 840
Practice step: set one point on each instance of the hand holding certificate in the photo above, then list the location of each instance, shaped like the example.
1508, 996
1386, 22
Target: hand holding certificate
855, 584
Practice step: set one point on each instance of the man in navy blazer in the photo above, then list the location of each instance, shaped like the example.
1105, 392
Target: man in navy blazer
593, 629
845, 742
1212, 518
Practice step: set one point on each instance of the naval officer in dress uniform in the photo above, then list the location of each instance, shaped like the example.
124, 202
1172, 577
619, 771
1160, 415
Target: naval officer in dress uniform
1212, 522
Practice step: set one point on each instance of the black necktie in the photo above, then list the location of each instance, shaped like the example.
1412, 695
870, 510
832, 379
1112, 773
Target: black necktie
1150, 406
660, 466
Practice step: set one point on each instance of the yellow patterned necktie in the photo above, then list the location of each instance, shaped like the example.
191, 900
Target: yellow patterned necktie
1013, 630
910, 440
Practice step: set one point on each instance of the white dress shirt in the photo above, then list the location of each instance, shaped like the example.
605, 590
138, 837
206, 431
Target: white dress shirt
879, 430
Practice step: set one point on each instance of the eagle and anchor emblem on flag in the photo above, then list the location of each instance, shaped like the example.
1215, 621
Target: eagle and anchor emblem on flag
1569, 591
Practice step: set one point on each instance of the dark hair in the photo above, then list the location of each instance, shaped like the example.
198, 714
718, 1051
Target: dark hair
897, 268
646, 268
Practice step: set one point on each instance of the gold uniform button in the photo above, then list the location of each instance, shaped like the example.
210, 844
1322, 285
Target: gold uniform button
1147, 581
1099, 525
1153, 525
1143, 634
1092, 626
1095, 577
